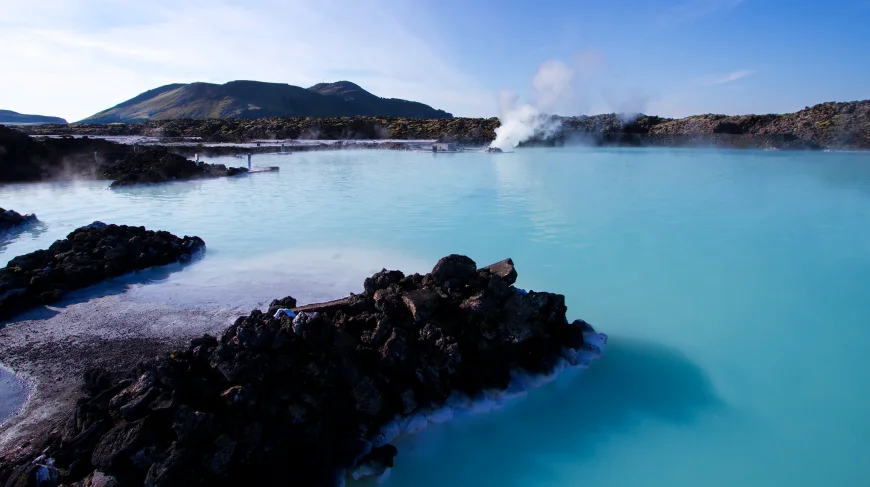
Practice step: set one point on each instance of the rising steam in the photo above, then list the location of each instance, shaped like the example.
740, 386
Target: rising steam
555, 91
553, 87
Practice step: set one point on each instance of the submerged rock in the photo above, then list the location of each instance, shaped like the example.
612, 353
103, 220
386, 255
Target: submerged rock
11, 219
311, 399
88, 255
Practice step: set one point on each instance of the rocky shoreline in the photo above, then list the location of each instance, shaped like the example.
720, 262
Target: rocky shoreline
160, 165
823, 126
716, 141
87, 255
179, 146
310, 394
23, 158
467, 130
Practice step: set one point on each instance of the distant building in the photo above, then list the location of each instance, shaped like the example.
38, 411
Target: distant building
444, 147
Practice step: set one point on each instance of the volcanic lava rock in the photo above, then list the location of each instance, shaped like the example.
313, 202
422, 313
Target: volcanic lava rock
421, 303
453, 267
286, 303
87, 256
505, 270
307, 400
157, 166
11, 219
23, 158
464, 130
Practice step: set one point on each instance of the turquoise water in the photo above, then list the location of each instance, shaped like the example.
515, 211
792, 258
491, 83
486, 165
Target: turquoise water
735, 287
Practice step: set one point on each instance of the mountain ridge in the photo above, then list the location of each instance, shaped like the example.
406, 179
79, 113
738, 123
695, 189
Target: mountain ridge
247, 99
10, 117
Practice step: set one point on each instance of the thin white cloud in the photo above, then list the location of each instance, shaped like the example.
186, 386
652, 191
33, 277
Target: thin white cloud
81, 56
553, 84
727, 78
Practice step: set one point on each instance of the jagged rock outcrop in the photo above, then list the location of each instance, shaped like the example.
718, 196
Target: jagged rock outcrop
159, 166
309, 394
23, 158
11, 219
87, 255
827, 125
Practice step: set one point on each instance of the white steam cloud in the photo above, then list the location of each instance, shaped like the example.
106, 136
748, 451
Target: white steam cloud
553, 87
520, 122
556, 91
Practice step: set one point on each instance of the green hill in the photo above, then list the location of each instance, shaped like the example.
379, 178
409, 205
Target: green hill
256, 99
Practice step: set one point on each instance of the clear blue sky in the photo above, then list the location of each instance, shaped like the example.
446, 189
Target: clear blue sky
72, 58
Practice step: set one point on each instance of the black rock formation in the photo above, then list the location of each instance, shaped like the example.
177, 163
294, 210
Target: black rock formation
159, 166
87, 256
301, 400
11, 219
23, 158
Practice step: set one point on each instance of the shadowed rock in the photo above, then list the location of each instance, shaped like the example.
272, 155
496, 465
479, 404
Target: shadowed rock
505, 270
307, 400
157, 166
87, 256
11, 219
421, 303
23, 158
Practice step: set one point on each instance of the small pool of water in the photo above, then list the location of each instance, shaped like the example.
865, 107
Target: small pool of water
733, 285
13, 394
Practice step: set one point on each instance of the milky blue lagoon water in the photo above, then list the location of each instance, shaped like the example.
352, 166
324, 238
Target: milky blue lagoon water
735, 287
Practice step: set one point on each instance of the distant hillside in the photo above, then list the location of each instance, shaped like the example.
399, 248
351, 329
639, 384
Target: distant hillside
10, 117
256, 99
826, 125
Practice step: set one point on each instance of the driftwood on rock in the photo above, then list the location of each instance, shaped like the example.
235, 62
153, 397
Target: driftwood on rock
313, 395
